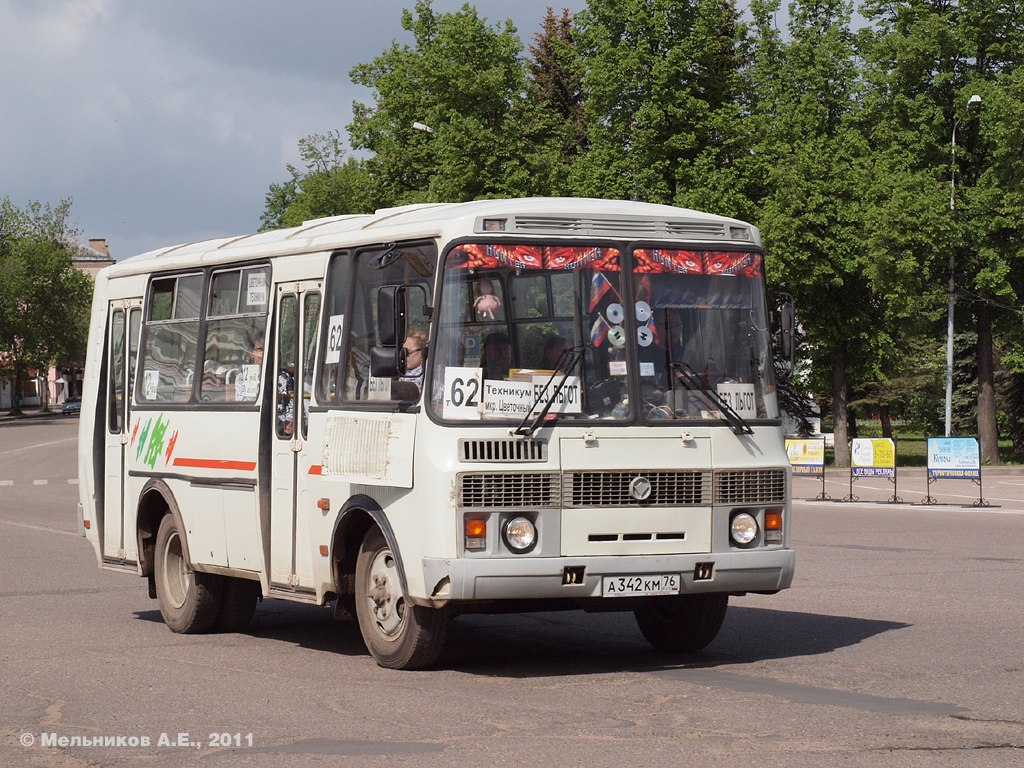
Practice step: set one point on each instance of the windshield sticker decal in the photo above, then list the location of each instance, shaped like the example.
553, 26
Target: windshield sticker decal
656, 260
568, 258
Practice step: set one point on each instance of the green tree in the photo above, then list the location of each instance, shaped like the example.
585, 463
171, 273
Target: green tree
810, 154
558, 132
661, 86
44, 300
329, 185
924, 58
465, 83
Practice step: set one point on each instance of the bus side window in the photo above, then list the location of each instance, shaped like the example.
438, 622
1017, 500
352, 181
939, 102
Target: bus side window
409, 265
235, 331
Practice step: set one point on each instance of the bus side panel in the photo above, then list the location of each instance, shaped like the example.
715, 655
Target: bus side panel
242, 529
209, 460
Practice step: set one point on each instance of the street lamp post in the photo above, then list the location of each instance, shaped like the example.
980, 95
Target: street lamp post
951, 290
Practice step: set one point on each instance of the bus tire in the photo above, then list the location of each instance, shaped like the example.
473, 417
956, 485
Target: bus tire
398, 634
189, 601
237, 605
683, 624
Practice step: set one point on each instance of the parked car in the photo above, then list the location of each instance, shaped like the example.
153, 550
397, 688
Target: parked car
72, 406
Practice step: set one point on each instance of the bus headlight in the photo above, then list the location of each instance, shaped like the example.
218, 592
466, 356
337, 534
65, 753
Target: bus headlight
519, 534
743, 529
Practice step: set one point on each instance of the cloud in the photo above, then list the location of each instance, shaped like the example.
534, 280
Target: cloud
167, 121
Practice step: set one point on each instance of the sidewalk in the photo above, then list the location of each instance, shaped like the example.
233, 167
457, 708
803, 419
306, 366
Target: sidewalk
32, 412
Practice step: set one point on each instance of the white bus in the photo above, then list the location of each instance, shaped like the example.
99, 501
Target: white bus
438, 409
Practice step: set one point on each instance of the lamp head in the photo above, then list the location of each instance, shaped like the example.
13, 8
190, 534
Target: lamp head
975, 99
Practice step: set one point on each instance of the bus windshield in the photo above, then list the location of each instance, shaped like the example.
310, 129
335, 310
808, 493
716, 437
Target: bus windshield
600, 332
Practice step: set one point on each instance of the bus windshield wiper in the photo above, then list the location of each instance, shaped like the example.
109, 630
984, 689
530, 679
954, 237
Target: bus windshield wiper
692, 380
566, 365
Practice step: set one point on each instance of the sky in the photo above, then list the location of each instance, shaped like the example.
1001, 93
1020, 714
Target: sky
166, 121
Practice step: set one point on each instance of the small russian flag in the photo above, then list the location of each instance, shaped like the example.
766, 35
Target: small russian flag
598, 331
599, 286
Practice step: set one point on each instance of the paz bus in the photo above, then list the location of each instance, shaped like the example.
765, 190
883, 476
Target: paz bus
501, 405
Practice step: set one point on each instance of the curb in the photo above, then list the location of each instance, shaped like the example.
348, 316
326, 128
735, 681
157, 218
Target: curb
7, 417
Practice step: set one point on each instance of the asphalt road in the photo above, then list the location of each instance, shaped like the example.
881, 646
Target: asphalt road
898, 645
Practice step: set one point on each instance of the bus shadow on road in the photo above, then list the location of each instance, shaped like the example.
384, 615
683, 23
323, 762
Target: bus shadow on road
570, 643
541, 645
306, 626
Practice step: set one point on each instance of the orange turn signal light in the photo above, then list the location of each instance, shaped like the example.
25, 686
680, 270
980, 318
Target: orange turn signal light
772, 520
476, 529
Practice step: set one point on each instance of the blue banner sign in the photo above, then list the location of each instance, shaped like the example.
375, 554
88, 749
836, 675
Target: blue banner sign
954, 457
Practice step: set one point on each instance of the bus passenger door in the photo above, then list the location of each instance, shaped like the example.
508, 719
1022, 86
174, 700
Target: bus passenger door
298, 317
123, 323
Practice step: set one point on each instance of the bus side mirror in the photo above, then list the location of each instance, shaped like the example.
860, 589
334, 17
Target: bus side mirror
388, 358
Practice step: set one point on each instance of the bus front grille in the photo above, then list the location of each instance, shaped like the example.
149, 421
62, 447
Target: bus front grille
601, 489
750, 486
519, 489
616, 489
512, 450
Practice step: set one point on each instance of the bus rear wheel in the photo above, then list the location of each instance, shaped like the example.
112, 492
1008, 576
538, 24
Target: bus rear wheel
189, 601
398, 634
683, 624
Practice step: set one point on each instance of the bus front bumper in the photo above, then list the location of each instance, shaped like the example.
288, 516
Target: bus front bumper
510, 578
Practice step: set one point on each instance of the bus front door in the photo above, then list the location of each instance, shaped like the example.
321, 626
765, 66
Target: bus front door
298, 315
123, 323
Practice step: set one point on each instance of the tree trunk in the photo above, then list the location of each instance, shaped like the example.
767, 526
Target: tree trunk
988, 431
16, 389
839, 410
885, 417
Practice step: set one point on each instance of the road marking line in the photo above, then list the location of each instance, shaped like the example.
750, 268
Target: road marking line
38, 445
6, 482
40, 482
39, 528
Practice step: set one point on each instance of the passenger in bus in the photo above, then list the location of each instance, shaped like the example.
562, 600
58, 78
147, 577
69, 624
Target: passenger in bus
415, 354
497, 355
552, 351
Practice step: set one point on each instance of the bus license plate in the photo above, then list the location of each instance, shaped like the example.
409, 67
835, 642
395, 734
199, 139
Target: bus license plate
640, 586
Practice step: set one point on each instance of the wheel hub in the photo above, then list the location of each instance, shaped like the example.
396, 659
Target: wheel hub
385, 595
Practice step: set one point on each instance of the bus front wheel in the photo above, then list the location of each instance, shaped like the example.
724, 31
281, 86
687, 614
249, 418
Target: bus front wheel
683, 624
398, 634
189, 601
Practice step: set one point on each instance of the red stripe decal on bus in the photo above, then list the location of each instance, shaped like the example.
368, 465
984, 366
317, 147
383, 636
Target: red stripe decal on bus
244, 466
315, 469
